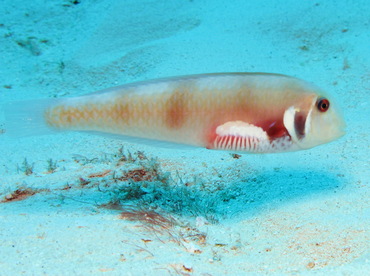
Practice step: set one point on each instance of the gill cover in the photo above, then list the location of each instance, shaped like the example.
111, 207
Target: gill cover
297, 121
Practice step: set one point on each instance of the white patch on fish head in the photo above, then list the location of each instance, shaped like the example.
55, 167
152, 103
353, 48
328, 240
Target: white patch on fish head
321, 124
288, 120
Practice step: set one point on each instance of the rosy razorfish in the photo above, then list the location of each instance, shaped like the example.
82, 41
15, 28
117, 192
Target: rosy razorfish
241, 112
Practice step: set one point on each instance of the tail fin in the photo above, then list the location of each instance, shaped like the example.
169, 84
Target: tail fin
26, 118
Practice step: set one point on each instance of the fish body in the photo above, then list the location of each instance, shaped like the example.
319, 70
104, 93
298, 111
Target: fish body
246, 112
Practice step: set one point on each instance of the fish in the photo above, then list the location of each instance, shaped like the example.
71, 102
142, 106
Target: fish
239, 112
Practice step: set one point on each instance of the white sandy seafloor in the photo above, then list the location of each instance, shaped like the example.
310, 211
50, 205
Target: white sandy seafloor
184, 211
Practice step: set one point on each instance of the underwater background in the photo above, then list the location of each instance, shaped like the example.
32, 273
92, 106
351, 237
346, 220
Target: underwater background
81, 204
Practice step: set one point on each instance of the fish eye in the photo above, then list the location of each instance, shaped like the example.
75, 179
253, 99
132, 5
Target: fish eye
323, 104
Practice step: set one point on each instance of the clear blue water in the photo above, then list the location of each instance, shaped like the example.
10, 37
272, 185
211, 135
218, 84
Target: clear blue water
75, 204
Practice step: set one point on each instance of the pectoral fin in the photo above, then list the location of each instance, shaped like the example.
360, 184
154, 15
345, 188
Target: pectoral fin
240, 136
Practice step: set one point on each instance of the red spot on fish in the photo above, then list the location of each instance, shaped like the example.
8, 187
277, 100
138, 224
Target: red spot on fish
274, 129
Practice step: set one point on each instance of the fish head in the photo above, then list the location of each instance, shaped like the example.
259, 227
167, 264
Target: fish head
314, 121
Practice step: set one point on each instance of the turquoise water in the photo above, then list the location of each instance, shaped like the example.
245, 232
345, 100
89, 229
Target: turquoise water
74, 203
